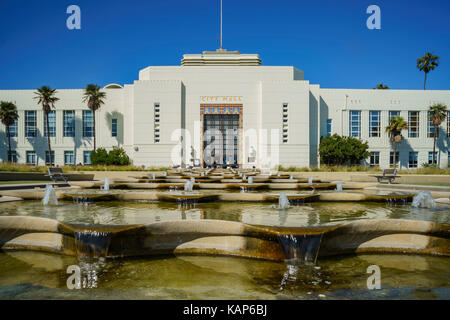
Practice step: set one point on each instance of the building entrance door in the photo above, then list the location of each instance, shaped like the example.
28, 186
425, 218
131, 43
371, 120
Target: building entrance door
221, 139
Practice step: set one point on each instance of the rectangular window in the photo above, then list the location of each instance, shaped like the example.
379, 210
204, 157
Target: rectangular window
87, 157
156, 123
51, 124
114, 127
430, 127
448, 124
412, 162
374, 123
329, 121
391, 158
30, 123
69, 123
355, 123
47, 158
69, 157
413, 124
12, 157
31, 157
375, 158
285, 122
88, 124
430, 157
13, 129
393, 114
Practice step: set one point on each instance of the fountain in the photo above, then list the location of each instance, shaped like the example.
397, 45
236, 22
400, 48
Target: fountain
105, 187
291, 177
283, 201
193, 180
92, 243
300, 249
310, 180
189, 186
153, 176
50, 196
423, 200
339, 186
250, 180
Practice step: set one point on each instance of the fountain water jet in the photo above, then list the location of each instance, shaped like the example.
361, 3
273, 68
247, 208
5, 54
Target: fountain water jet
310, 180
50, 196
283, 201
339, 186
189, 186
423, 200
105, 187
250, 180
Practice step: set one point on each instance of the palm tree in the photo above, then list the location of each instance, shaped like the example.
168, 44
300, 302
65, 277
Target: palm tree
47, 98
395, 127
381, 86
95, 99
427, 63
8, 115
438, 113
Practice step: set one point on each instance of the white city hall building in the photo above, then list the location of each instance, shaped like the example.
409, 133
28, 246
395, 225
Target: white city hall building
224, 107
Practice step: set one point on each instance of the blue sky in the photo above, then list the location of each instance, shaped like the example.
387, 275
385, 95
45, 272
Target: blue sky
327, 39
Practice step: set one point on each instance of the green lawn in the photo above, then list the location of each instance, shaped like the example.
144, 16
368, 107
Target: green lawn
22, 182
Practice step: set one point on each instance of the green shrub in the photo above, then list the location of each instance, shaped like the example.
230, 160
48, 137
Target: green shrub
99, 156
338, 150
118, 156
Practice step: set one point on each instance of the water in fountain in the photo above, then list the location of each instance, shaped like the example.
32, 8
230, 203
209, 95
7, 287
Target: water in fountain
153, 176
291, 177
283, 201
250, 180
202, 174
92, 243
105, 187
188, 186
193, 180
244, 177
279, 175
310, 180
339, 186
165, 173
50, 196
423, 200
300, 249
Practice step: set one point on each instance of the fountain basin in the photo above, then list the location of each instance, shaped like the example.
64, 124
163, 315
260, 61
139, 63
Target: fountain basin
186, 197
88, 197
215, 237
317, 186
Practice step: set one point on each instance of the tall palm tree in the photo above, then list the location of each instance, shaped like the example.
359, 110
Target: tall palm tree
381, 86
395, 127
8, 115
438, 113
95, 99
427, 63
47, 98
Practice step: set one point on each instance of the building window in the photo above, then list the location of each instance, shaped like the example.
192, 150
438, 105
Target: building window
431, 128
88, 123
87, 157
413, 124
114, 127
412, 162
329, 121
393, 114
31, 157
69, 123
355, 123
30, 123
12, 156
51, 124
375, 158
430, 157
391, 158
47, 157
448, 124
156, 123
374, 123
13, 129
69, 157
285, 122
